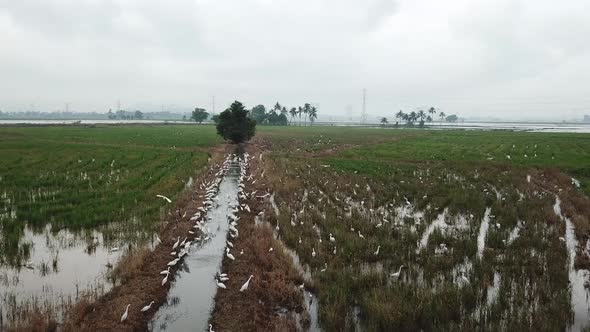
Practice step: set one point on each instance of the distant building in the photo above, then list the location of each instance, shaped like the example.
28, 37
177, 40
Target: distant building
587, 118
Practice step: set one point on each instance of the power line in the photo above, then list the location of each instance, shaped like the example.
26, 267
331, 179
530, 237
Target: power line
364, 112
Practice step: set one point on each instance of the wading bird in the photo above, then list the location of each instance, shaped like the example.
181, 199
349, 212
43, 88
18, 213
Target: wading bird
397, 274
211, 328
165, 280
377, 251
313, 252
125, 314
165, 271
175, 245
164, 198
246, 284
220, 284
147, 307
230, 256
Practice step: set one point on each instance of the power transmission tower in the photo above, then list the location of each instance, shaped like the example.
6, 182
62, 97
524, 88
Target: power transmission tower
364, 113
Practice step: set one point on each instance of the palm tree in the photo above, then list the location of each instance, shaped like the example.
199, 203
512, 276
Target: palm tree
284, 110
442, 116
277, 107
432, 111
383, 121
429, 119
306, 109
293, 112
413, 117
400, 115
299, 111
313, 114
421, 115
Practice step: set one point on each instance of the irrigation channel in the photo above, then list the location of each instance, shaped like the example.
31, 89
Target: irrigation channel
190, 298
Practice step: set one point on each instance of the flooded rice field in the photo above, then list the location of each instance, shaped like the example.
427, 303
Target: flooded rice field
61, 267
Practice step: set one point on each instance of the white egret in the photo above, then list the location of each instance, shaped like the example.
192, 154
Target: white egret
165, 271
302, 286
165, 280
114, 249
165, 198
230, 256
231, 245
313, 252
270, 250
211, 328
242, 252
377, 251
325, 267
332, 239
361, 235
246, 284
397, 274
125, 314
464, 278
175, 245
220, 284
300, 240
147, 307
173, 262
334, 252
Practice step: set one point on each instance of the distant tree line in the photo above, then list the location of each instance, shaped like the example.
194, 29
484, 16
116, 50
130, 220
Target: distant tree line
420, 117
279, 115
125, 115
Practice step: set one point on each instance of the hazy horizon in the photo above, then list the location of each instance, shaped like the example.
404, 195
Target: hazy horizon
512, 60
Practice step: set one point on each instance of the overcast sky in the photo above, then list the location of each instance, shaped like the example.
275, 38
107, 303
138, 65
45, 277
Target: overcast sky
504, 58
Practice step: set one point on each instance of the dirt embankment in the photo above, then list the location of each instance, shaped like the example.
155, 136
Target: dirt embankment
142, 283
272, 295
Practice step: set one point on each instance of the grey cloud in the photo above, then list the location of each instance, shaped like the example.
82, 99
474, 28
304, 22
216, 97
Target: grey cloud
475, 58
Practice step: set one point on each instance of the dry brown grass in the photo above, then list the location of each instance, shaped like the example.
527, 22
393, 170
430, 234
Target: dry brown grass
38, 322
130, 264
274, 284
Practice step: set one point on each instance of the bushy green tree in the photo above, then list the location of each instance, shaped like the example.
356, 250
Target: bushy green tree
199, 115
235, 124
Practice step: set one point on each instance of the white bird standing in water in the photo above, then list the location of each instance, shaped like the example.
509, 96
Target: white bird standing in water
332, 239
397, 274
325, 267
165, 198
377, 252
246, 284
147, 307
125, 314
313, 252
175, 245
165, 271
211, 328
165, 280
361, 235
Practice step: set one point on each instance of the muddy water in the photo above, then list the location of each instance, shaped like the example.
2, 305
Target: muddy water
483, 231
190, 299
61, 265
579, 295
310, 301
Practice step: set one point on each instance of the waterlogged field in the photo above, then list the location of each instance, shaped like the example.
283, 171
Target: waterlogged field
70, 195
491, 227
